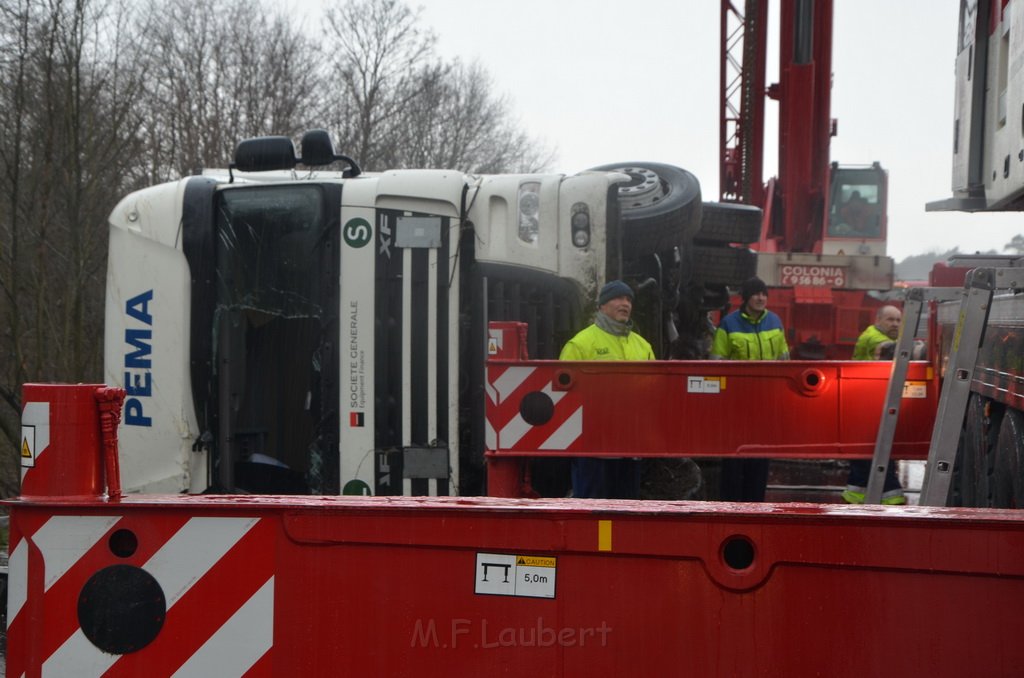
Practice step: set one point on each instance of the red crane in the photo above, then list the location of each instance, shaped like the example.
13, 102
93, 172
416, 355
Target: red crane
823, 235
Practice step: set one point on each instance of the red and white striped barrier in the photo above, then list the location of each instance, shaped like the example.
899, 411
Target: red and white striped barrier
196, 592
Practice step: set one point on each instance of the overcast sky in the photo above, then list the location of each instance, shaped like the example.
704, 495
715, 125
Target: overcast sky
609, 81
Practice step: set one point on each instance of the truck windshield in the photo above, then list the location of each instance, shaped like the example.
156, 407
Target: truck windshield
267, 238
270, 337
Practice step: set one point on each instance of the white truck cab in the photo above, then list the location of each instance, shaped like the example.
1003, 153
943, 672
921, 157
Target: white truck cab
292, 330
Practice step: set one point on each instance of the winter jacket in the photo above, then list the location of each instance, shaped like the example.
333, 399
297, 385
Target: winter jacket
740, 338
868, 341
593, 343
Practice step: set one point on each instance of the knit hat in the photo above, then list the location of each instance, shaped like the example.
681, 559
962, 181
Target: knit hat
751, 287
612, 290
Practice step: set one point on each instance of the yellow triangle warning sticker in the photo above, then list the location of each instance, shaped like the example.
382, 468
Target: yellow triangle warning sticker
35, 437
535, 561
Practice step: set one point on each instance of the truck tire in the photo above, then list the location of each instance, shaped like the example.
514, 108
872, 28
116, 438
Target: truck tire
1008, 477
974, 468
725, 223
723, 265
661, 207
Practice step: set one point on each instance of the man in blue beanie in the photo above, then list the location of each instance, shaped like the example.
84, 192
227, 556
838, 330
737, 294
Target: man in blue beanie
611, 337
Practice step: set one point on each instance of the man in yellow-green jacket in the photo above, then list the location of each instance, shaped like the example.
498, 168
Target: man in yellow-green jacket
750, 333
611, 337
885, 331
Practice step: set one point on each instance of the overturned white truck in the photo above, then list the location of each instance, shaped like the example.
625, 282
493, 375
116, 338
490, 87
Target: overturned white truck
288, 328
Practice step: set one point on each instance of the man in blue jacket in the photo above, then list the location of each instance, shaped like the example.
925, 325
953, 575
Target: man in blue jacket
750, 333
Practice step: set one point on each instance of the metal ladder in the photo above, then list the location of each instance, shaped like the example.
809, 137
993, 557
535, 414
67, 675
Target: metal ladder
976, 300
913, 307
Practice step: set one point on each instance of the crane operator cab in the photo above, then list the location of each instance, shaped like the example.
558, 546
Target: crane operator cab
857, 210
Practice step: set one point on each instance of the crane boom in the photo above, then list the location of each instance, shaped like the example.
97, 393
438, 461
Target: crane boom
822, 239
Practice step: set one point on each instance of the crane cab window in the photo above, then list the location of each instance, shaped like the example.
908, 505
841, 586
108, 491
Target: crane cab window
857, 206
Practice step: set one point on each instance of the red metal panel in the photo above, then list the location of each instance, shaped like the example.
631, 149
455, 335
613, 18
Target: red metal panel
395, 586
815, 296
507, 340
388, 586
794, 409
61, 460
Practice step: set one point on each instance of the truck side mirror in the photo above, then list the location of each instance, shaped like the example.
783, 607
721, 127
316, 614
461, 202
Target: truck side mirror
262, 154
317, 150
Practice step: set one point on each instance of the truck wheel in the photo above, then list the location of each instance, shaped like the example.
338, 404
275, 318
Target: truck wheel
723, 265
725, 223
975, 458
661, 207
1008, 479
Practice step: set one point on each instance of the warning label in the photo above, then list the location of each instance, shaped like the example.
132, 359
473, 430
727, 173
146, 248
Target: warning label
28, 446
501, 574
915, 389
705, 384
35, 433
535, 561
495, 339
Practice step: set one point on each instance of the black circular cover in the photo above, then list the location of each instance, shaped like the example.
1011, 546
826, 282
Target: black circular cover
121, 609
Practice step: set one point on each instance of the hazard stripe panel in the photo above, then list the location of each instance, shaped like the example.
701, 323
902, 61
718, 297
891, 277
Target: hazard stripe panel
190, 553
505, 427
78, 656
239, 644
508, 382
63, 540
17, 579
61, 619
566, 434
216, 575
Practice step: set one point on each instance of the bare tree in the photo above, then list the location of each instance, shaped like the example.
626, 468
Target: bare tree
66, 119
222, 71
457, 121
399, 105
15, 40
378, 47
